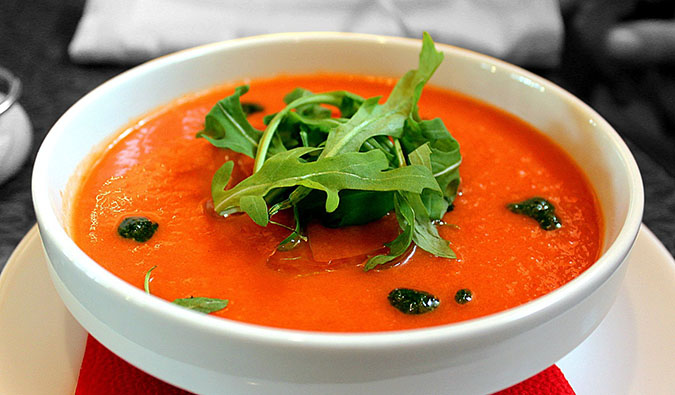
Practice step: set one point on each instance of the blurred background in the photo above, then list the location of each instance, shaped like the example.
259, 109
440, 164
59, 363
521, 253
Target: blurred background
618, 56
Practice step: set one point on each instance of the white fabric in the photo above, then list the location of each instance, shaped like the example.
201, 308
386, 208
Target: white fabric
526, 32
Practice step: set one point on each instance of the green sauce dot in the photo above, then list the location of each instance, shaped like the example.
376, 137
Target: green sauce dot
140, 229
411, 301
463, 296
539, 209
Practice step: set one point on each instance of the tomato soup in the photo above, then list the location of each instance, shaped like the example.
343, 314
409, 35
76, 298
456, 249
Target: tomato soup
158, 169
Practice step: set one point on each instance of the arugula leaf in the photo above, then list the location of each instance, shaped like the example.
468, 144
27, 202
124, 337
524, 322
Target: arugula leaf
226, 125
220, 180
202, 304
312, 115
369, 121
297, 130
348, 105
421, 156
296, 236
146, 282
406, 220
383, 144
445, 159
388, 119
351, 170
256, 208
414, 219
357, 207
265, 146
409, 87
425, 234
435, 203
312, 110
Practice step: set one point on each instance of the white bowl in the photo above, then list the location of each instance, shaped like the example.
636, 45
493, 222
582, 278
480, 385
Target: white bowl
206, 354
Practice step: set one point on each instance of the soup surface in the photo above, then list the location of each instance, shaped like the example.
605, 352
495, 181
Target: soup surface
158, 169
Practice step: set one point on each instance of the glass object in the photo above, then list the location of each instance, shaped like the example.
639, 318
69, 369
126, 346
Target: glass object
15, 128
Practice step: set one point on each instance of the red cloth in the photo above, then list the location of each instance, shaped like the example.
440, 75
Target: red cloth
104, 373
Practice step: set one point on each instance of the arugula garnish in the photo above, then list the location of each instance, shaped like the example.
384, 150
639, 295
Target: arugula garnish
345, 170
351, 170
201, 304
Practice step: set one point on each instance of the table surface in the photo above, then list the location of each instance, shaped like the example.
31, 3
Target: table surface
34, 36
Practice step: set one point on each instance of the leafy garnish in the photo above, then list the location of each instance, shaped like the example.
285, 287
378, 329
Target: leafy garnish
444, 158
351, 170
146, 282
296, 235
344, 170
201, 304
226, 126
406, 219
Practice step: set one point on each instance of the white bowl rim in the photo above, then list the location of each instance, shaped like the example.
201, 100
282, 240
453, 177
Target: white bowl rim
582, 286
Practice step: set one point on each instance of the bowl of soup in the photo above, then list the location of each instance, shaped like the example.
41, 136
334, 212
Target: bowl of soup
446, 280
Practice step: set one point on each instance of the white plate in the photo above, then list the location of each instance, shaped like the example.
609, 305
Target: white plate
631, 352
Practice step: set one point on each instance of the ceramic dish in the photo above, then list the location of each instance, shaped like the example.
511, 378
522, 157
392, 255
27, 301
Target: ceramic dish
629, 353
206, 354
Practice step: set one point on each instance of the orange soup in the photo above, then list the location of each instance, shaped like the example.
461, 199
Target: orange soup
158, 169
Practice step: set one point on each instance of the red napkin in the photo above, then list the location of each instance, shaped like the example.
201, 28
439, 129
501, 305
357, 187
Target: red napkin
104, 373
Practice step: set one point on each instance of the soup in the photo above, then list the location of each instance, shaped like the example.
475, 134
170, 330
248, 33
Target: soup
158, 169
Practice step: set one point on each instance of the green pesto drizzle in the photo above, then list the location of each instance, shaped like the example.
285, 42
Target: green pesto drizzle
539, 209
411, 301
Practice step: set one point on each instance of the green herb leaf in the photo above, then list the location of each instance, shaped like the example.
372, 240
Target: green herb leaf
388, 119
406, 220
304, 100
444, 158
312, 110
256, 208
297, 130
296, 237
425, 234
352, 170
226, 126
357, 207
348, 104
220, 180
201, 304
436, 204
369, 121
146, 282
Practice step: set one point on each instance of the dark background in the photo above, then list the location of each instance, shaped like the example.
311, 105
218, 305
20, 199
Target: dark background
638, 101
